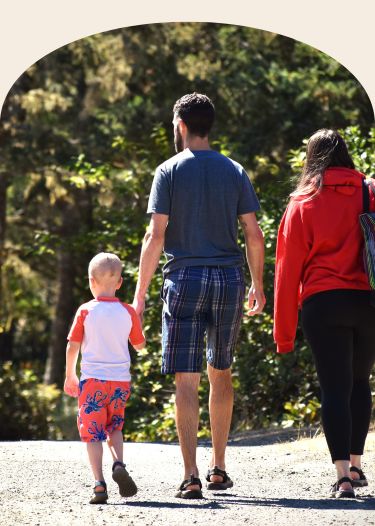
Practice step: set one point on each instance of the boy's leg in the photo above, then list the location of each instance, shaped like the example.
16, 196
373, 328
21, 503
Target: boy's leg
119, 393
127, 486
95, 452
91, 423
116, 446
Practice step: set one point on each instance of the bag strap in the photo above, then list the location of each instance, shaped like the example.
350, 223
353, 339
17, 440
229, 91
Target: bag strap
365, 197
371, 186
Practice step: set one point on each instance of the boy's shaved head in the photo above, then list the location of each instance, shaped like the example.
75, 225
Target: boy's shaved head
105, 266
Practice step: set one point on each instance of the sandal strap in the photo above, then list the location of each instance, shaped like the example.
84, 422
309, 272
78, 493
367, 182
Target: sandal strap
100, 483
189, 482
357, 470
118, 463
344, 479
217, 471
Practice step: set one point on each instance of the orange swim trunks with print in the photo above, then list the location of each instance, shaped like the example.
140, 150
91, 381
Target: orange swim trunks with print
101, 408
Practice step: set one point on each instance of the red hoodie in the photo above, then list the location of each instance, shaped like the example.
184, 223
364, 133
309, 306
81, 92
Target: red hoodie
319, 247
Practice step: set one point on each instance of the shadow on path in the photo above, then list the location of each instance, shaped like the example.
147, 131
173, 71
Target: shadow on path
265, 437
359, 503
229, 499
189, 504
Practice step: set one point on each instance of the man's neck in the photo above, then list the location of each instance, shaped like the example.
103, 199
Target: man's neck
197, 143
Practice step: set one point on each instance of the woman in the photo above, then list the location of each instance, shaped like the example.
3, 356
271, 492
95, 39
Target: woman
319, 268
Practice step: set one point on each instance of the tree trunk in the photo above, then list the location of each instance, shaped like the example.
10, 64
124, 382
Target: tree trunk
55, 366
6, 323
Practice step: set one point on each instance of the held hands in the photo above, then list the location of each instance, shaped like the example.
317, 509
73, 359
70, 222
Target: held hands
139, 306
71, 386
256, 300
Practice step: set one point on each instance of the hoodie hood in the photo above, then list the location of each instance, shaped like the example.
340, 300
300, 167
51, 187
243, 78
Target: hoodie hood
343, 180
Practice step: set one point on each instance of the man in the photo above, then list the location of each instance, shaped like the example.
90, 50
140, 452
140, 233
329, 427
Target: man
196, 200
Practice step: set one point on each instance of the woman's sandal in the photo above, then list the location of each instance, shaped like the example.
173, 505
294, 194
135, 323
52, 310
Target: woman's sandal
338, 493
184, 493
362, 481
99, 497
226, 482
126, 484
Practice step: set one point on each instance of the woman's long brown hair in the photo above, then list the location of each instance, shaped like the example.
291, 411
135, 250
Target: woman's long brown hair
325, 149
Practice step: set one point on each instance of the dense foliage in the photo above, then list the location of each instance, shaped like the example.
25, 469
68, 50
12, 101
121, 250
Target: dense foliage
27, 407
82, 132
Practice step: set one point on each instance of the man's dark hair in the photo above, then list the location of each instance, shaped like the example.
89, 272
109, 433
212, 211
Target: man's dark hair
197, 111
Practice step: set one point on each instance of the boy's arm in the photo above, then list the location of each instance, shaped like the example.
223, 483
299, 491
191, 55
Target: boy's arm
254, 242
136, 336
71, 379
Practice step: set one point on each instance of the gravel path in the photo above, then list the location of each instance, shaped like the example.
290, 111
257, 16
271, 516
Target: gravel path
277, 480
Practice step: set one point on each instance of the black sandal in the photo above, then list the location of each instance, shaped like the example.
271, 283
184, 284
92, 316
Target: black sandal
126, 485
99, 497
362, 481
338, 493
226, 482
184, 493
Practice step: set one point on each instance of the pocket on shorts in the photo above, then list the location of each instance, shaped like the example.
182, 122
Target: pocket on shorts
172, 277
234, 275
182, 298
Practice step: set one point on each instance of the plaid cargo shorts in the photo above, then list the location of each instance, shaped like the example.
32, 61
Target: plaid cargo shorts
201, 301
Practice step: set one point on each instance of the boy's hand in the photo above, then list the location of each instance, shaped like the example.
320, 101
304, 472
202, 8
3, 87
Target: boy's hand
71, 385
139, 306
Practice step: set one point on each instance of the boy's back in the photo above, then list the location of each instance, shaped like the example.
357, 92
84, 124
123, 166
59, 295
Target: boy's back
103, 327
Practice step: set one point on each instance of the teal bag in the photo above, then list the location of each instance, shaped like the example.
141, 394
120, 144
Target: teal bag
367, 222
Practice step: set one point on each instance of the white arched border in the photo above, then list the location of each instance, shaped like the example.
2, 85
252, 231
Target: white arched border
31, 29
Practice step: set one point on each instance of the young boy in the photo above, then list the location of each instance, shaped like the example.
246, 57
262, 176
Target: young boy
101, 330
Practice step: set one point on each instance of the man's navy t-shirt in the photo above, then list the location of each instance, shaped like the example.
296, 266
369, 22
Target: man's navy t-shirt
203, 193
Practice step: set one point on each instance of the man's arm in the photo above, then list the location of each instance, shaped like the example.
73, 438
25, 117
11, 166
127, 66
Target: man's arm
254, 242
152, 247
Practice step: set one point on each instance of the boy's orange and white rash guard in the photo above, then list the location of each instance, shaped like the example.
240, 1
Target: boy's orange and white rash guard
103, 326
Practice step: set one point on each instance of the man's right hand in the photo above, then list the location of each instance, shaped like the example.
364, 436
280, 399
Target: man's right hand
256, 301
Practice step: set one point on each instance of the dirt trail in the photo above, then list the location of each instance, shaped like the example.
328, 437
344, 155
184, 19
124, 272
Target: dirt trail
277, 481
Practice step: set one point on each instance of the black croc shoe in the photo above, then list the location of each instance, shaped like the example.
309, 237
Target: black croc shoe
185, 493
224, 484
362, 481
338, 493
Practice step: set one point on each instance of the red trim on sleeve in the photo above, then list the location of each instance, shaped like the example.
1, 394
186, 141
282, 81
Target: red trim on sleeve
136, 336
77, 328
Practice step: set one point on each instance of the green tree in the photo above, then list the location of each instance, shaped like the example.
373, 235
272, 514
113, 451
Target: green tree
82, 132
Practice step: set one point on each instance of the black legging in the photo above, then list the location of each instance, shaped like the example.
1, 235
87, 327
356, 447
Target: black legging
340, 328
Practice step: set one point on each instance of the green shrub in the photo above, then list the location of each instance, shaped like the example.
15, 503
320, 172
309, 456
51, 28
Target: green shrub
26, 406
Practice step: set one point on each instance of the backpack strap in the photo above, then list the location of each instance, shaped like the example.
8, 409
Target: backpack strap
365, 196
371, 186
